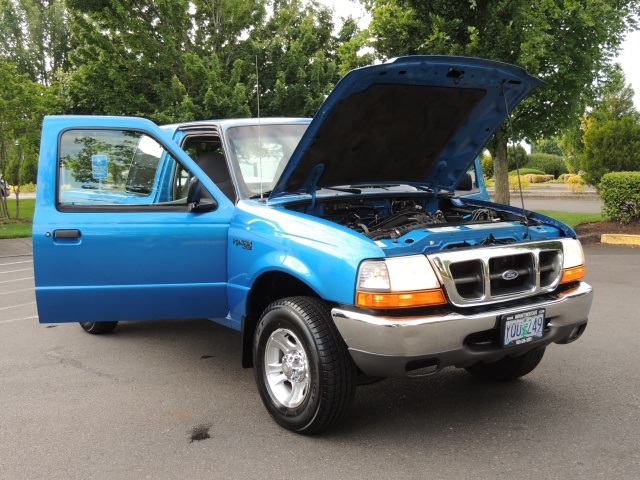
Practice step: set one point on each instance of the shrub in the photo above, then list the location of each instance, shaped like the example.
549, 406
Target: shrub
516, 156
514, 153
26, 188
575, 183
549, 164
620, 193
513, 182
526, 171
610, 146
568, 176
487, 164
537, 178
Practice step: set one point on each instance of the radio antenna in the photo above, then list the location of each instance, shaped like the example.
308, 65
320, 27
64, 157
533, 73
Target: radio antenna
513, 139
259, 132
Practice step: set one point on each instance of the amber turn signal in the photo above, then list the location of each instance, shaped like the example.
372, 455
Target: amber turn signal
420, 298
572, 274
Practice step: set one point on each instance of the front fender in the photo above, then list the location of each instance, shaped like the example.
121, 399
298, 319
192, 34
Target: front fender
323, 255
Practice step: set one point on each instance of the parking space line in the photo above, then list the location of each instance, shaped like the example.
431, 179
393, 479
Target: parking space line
19, 270
16, 280
17, 291
18, 319
16, 306
15, 263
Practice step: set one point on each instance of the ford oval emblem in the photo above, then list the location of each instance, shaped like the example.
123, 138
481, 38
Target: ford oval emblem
510, 274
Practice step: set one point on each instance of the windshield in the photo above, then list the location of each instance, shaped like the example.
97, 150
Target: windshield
260, 153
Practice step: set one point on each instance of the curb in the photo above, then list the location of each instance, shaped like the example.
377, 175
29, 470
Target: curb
590, 239
620, 239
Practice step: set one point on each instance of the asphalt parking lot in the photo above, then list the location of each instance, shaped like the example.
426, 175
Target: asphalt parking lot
134, 403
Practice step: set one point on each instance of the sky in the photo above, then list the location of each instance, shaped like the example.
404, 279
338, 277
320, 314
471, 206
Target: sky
629, 57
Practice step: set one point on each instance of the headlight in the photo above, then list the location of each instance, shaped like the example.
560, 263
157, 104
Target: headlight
374, 276
573, 261
400, 282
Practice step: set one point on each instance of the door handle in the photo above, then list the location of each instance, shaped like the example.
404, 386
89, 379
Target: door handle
70, 235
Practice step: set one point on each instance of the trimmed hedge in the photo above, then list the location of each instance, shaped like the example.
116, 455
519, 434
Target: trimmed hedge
536, 178
620, 193
26, 188
526, 171
549, 164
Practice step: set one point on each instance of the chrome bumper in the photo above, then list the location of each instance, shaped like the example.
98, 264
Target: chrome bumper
386, 346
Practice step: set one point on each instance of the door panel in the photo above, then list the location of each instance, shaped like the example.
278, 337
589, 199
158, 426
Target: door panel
113, 236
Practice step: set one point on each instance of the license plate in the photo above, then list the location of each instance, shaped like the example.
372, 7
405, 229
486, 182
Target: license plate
522, 327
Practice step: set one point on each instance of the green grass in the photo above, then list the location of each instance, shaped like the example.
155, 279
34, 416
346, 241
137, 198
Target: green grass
572, 218
18, 228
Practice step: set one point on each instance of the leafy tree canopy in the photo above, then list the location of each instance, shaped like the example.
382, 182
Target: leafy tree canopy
23, 104
186, 60
34, 35
548, 145
610, 140
566, 43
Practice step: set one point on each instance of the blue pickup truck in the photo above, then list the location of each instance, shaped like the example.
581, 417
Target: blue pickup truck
355, 246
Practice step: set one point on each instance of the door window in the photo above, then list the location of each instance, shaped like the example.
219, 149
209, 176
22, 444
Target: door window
118, 167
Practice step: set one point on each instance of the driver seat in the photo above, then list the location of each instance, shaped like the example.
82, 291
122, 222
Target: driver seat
215, 166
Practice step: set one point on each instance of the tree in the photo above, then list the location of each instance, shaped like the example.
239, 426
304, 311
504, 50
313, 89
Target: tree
548, 145
182, 60
610, 146
566, 43
352, 47
516, 157
34, 35
611, 130
614, 97
23, 103
297, 56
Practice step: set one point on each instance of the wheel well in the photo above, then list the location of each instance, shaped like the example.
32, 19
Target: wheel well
268, 288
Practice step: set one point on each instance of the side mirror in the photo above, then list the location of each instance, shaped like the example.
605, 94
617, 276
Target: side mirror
198, 199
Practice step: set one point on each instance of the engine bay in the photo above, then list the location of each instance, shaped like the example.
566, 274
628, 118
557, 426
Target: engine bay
445, 222
402, 216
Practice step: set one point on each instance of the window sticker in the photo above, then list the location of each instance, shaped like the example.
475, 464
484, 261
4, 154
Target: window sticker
99, 167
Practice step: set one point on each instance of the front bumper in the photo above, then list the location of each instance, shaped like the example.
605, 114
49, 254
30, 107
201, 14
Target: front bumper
385, 346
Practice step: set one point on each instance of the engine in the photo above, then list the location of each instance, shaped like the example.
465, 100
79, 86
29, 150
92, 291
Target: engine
399, 216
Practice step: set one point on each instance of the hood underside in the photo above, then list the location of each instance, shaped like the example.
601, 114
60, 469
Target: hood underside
415, 120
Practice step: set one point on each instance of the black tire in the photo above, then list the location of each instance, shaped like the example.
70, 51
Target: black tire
507, 368
312, 388
98, 328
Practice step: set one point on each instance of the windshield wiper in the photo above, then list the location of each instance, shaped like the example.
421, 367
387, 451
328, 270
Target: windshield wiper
266, 193
386, 186
356, 191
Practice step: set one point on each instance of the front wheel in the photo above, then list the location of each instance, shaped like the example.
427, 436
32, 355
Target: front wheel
98, 328
305, 375
507, 368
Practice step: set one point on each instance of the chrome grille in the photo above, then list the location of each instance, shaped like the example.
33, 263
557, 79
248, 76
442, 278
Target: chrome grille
494, 274
524, 278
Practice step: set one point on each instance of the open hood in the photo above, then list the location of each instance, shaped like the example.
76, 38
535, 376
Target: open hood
418, 120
